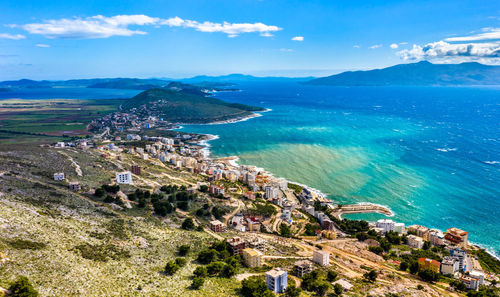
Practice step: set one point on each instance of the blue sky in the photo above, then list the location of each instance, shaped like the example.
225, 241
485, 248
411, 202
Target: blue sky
82, 39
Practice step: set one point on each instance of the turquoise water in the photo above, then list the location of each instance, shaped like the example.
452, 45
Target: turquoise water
429, 153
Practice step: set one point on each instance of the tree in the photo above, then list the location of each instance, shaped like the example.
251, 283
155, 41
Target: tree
207, 256
197, 283
376, 249
337, 289
414, 267
22, 288
362, 236
292, 291
203, 188
254, 287
458, 285
183, 250
215, 268
371, 276
428, 275
322, 287
200, 271
285, 230
331, 275
180, 261
171, 268
427, 245
228, 271
403, 266
188, 224
109, 199
99, 192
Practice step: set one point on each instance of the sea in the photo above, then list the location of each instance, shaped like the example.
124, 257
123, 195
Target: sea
430, 154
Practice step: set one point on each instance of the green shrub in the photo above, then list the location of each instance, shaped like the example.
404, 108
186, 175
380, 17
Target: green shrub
22, 288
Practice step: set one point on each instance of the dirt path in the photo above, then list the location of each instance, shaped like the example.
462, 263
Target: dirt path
78, 170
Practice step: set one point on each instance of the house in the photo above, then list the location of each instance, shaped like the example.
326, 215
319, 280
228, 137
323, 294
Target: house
415, 241
385, 224
457, 237
449, 265
344, 284
252, 257
421, 231
302, 267
479, 275
470, 282
253, 225
430, 264
59, 176
286, 214
217, 226
321, 257
276, 280
124, 177
436, 237
75, 186
136, 169
464, 260
329, 234
237, 245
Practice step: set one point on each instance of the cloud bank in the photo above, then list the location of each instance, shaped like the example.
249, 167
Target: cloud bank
482, 47
103, 27
298, 38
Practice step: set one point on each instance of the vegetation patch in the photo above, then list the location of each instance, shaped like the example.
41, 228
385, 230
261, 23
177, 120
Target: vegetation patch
101, 253
24, 244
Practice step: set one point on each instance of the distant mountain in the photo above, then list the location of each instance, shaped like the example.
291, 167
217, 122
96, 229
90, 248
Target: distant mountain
181, 106
421, 73
130, 83
238, 78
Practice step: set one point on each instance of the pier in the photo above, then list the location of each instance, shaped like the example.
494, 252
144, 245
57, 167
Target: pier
361, 208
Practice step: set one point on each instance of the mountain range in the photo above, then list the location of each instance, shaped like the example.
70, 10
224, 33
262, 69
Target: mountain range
422, 73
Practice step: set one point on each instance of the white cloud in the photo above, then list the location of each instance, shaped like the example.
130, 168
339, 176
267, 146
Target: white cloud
288, 50
298, 38
403, 43
487, 34
443, 50
103, 27
92, 27
231, 29
10, 36
376, 46
42, 45
394, 46
356, 46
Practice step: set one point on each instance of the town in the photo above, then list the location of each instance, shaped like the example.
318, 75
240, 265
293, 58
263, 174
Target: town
265, 209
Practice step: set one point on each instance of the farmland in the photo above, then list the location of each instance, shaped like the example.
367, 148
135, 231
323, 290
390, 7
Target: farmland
45, 121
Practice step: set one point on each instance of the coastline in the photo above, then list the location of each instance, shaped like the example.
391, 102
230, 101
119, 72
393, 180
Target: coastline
233, 160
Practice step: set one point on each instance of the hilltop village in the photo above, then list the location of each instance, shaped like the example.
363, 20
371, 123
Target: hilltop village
290, 234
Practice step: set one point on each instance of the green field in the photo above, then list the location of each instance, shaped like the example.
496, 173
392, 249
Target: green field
27, 121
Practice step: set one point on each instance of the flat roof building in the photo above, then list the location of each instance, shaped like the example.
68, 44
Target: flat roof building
276, 280
252, 257
321, 257
302, 267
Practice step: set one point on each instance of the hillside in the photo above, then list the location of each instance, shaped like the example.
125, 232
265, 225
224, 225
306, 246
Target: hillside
177, 105
421, 73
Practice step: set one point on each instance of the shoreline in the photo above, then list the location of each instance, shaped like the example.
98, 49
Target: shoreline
233, 160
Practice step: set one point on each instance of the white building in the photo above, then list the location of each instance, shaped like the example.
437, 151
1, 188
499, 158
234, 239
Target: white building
415, 241
385, 224
276, 280
59, 176
271, 192
399, 228
321, 257
465, 262
449, 265
124, 177
478, 274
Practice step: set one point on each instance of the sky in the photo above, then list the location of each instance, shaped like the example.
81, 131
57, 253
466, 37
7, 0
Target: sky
124, 38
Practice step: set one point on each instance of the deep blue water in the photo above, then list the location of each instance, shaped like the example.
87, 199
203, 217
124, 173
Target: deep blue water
432, 154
